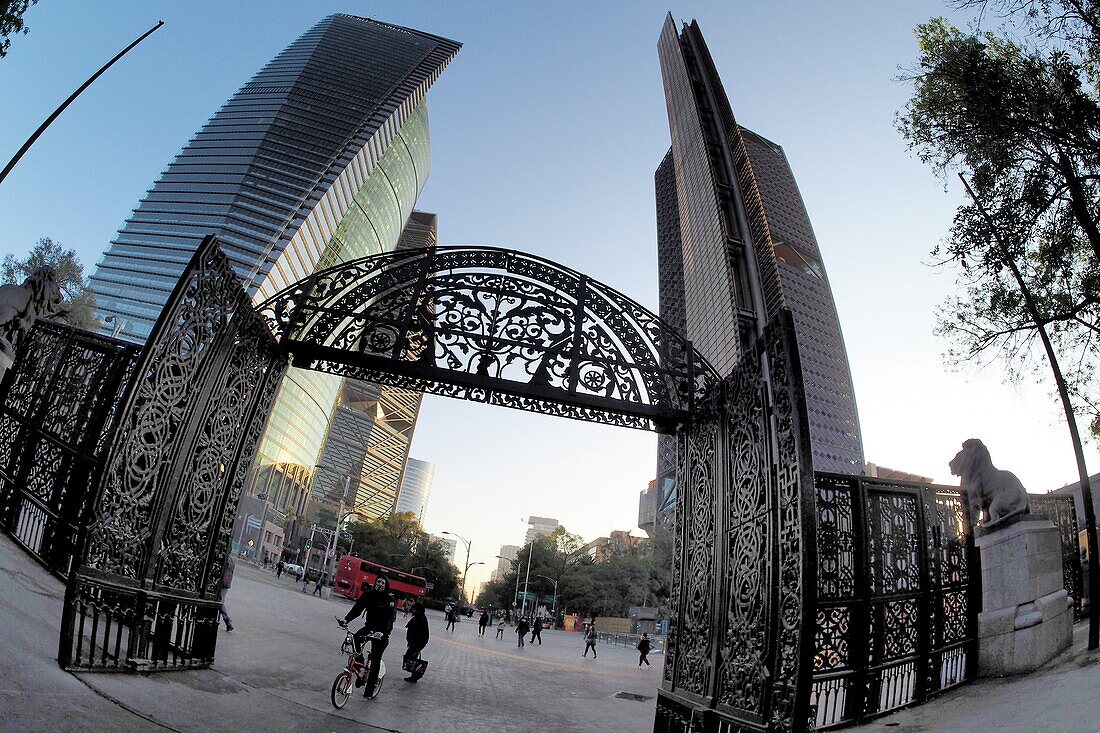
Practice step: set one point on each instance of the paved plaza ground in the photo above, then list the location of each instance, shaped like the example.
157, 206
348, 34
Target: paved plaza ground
274, 671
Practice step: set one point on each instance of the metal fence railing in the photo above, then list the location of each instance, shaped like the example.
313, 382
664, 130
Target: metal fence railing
631, 640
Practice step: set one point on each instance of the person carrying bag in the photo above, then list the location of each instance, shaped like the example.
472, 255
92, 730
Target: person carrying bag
417, 638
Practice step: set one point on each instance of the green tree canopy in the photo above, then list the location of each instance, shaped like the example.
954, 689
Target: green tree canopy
70, 277
1022, 122
11, 22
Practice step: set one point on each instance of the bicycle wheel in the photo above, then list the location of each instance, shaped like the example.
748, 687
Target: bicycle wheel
341, 689
381, 679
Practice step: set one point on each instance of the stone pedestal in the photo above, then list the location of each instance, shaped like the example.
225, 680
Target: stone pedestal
1026, 618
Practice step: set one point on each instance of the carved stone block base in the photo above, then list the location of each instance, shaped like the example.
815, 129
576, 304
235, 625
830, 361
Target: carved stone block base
1027, 619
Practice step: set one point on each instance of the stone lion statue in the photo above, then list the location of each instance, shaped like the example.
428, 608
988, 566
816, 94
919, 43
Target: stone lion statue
985, 487
39, 295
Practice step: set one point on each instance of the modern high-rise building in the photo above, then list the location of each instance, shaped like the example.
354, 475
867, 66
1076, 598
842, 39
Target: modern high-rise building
540, 527
416, 485
505, 558
318, 159
735, 246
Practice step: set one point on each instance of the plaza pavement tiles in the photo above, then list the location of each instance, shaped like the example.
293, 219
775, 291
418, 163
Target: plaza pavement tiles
273, 673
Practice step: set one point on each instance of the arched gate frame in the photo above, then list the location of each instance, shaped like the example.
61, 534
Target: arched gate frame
482, 324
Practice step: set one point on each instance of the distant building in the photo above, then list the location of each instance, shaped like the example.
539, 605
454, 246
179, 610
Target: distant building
415, 487
449, 546
1074, 490
875, 471
618, 542
540, 527
649, 501
506, 557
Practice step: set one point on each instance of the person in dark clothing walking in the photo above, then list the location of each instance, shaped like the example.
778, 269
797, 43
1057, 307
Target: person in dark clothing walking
521, 630
590, 641
644, 645
482, 623
452, 616
379, 610
279, 569
417, 638
536, 631
227, 580
320, 584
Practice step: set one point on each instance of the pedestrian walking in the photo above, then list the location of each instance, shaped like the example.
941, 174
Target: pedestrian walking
590, 641
320, 584
482, 623
227, 580
452, 616
644, 645
536, 631
521, 630
416, 635
279, 569
501, 623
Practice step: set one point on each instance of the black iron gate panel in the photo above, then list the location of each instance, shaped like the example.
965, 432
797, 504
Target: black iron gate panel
1062, 510
145, 594
739, 653
898, 595
57, 404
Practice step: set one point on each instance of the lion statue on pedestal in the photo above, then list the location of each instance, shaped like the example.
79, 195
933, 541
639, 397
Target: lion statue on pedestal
985, 487
39, 295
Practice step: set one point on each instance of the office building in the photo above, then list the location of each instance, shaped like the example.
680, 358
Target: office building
735, 246
416, 485
540, 527
318, 159
505, 558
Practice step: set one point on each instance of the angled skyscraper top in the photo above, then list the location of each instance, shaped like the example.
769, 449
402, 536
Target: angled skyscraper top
735, 244
276, 170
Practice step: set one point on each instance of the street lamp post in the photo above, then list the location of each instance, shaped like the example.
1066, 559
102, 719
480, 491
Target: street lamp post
555, 592
468, 543
527, 578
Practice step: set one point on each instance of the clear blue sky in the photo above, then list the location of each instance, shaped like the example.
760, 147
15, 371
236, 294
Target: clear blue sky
546, 130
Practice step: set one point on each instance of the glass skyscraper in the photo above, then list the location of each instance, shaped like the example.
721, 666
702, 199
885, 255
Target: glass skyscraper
416, 486
734, 245
318, 159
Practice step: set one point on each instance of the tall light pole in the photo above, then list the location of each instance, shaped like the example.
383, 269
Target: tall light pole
466, 542
515, 566
527, 579
547, 577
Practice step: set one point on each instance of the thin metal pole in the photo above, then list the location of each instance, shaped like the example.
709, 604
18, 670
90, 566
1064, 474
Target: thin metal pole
527, 579
42, 128
1071, 421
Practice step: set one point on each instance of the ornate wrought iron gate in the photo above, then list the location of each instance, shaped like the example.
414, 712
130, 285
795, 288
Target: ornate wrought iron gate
739, 651
145, 593
58, 406
898, 592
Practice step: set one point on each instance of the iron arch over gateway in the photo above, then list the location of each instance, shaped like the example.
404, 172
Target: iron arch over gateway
492, 325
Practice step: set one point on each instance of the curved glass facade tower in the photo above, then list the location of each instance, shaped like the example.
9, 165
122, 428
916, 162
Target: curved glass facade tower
735, 244
319, 158
416, 485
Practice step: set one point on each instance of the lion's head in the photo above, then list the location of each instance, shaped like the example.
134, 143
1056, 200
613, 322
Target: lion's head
45, 292
973, 456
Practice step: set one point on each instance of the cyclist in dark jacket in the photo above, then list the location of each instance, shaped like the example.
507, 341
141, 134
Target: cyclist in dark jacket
417, 637
379, 610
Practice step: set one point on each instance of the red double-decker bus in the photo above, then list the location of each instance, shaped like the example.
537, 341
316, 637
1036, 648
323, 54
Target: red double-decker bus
355, 575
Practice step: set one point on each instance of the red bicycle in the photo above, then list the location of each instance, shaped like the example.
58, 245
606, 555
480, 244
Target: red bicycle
354, 669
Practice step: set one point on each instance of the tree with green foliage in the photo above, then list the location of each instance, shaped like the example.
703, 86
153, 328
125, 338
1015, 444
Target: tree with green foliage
11, 22
79, 298
1019, 122
398, 541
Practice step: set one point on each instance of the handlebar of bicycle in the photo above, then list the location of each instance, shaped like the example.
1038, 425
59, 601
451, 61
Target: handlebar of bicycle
344, 625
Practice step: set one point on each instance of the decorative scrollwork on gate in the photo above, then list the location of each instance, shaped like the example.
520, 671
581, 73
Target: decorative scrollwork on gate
512, 329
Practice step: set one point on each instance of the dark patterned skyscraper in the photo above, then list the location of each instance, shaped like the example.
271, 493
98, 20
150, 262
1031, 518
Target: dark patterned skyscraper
735, 244
317, 160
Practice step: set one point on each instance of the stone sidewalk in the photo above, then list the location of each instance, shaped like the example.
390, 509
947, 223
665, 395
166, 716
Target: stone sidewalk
274, 671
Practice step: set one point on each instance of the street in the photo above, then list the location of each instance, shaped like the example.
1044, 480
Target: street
274, 671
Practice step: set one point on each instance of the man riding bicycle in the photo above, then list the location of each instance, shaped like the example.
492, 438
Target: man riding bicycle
380, 610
